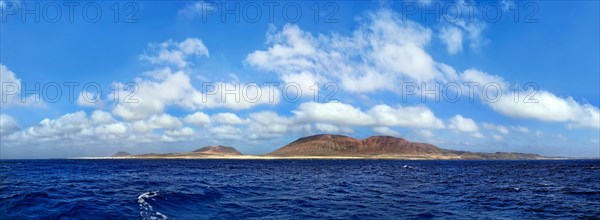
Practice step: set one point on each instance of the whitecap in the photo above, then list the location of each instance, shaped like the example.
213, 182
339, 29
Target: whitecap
146, 210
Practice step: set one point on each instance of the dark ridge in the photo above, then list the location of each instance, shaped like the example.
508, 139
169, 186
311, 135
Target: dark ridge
121, 154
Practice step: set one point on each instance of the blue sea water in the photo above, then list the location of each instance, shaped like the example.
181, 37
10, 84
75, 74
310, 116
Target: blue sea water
298, 189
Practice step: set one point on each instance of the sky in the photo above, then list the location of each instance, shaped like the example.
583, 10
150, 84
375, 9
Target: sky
93, 78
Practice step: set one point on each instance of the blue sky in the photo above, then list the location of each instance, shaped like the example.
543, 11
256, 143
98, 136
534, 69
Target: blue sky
367, 49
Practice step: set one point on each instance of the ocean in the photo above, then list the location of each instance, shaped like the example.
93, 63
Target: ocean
298, 189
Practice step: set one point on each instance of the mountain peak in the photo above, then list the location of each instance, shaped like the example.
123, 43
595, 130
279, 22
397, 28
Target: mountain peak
218, 149
340, 145
121, 154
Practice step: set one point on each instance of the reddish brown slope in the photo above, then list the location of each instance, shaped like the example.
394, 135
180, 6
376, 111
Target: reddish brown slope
339, 145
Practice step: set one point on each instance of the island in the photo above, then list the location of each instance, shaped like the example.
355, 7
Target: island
331, 146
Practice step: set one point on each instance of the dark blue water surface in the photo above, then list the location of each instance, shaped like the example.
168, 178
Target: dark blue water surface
274, 189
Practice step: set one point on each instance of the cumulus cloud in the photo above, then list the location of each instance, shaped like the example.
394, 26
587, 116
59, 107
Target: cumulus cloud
199, 119
385, 131
114, 128
382, 51
269, 124
337, 113
482, 79
551, 108
411, 116
462, 124
88, 99
499, 128
8, 125
164, 121
541, 105
153, 95
226, 132
98, 129
10, 90
183, 132
175, 53
167, 88
327, 128
65, 128
228, 118
102, 117
334, 113
11, 85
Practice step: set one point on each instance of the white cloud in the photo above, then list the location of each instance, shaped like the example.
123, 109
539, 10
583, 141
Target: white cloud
452, 37
226, 132
477, 134
427, 134
175, 53
10, 90
469, 28
497, 137
334, 113
199, 119
118, 128
164, 121
99, 129
386, 131
153, 95
337, 113
304, 82
8, 124
197, 8
88, 99
473, 31
269, 118
539, 133
327, 128
65, 128
521, 129
11, 85
542, 105
268, 124
183, 132
502, 129
383, 50
483, 78
550, 107
102, 117
411, 116
166, 88
499, 128
462, 124
228, 118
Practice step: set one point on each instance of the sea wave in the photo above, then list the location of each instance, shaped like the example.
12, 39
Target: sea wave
146, 210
